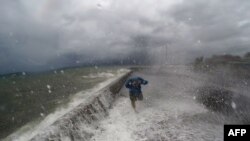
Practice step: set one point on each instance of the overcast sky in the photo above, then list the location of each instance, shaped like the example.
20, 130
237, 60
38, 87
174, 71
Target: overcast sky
43, 34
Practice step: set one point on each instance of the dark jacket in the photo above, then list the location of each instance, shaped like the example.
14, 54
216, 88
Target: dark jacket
135, 89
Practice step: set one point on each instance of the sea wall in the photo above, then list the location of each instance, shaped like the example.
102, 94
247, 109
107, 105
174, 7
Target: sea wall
78, 123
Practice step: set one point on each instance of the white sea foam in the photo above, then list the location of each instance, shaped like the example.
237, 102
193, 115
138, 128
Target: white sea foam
120, 125
107, 74
99, 75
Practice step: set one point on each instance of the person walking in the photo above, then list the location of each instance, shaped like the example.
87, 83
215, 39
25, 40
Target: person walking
134, 86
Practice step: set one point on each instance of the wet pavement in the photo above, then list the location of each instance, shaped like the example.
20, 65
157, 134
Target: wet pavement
169, 111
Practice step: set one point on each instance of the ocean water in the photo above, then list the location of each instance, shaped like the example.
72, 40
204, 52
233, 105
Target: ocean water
26, 100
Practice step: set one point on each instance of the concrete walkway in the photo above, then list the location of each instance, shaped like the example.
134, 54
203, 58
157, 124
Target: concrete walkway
169, 112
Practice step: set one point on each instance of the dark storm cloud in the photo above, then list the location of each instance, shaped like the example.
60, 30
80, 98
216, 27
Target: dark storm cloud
37, 35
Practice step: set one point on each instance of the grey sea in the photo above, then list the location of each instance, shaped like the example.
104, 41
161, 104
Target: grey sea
26, 99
